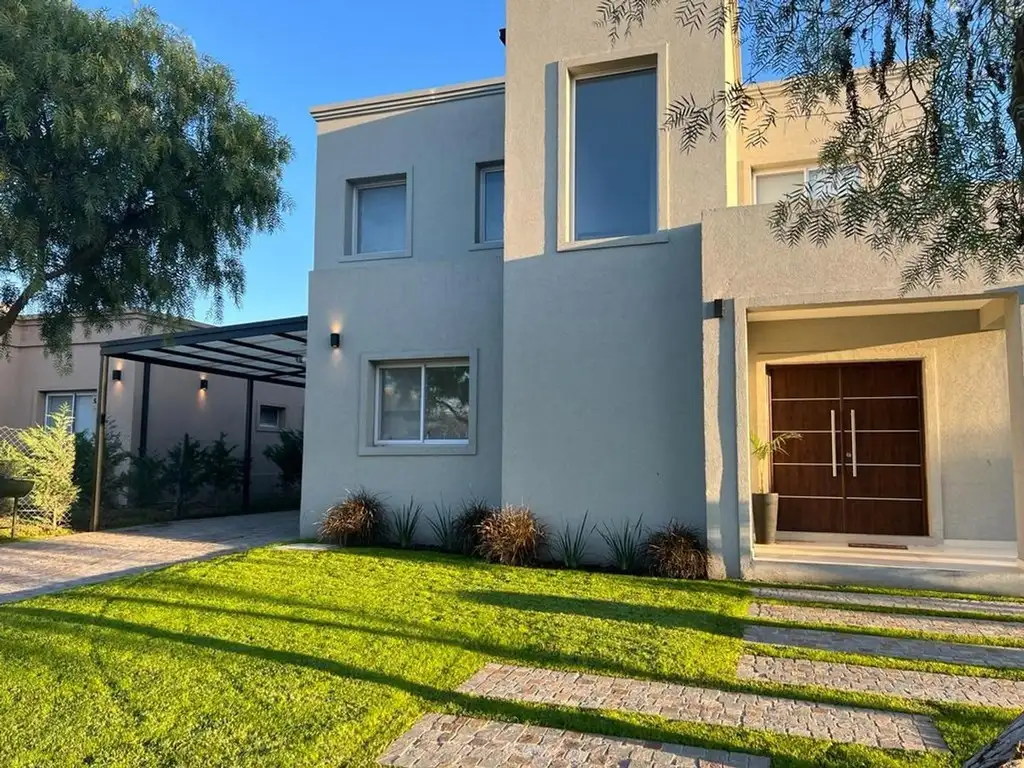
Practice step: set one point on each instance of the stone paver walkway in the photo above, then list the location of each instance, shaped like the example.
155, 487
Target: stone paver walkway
40, 566
897, 648
886, 730
802, 614
893, 601
924, 686
448, 740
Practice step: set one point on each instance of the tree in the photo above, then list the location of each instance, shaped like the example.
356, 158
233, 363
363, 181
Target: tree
926, 98
131, 176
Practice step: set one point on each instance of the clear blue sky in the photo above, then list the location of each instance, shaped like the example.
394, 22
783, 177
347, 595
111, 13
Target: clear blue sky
288, 57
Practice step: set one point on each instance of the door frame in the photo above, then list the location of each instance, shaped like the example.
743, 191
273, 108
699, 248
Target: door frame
761, 397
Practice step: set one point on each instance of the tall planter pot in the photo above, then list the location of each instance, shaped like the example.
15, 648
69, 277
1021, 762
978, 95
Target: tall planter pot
766, 517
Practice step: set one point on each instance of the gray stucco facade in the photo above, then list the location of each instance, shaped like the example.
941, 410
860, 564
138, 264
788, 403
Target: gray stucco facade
602, 381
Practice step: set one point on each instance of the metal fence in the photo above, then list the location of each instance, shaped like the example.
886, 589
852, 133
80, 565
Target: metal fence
26, 514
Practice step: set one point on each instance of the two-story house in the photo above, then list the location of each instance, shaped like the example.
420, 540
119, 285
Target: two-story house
533, 296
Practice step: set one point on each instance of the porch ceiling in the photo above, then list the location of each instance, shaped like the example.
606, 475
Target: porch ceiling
868, 309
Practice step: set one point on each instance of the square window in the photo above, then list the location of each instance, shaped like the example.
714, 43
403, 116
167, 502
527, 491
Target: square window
379, 217
820, 183
490, 227
615, 155
271, 417
422, 403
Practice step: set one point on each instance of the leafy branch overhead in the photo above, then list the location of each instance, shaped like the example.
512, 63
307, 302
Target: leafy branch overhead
131, 176
924, 99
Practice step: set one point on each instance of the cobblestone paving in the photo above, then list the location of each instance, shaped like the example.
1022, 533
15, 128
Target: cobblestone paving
943, 625
925, 686
36, 567
886, 730
897, 648
447, 740
893, 601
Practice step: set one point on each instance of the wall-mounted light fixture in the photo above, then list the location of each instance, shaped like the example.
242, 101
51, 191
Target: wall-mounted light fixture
335, 341
204, 384
718, 308
116, 375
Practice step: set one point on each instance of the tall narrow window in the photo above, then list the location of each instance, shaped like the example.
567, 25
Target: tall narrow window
615, 155
490, 227
379, 217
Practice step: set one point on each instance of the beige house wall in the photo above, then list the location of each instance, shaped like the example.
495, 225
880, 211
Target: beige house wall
176, 405
968, 404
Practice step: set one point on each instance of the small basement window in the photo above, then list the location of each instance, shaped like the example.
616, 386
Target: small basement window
424, 403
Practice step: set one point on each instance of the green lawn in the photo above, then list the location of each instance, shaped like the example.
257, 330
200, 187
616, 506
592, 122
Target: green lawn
287, 658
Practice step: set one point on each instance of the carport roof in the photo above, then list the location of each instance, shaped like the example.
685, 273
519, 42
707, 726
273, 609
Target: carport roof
273, 351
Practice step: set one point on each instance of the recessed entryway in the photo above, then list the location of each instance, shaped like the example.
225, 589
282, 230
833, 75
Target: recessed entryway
859, 465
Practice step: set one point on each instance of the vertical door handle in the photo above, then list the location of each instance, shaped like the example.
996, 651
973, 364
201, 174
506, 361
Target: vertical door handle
853, 439
834, 468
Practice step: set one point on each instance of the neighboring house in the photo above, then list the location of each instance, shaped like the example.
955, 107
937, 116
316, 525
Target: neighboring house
32, 387
540, 299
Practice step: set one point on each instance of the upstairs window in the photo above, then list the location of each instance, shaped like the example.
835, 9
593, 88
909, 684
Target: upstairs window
614, 154
770, 187
490, 226
379, 217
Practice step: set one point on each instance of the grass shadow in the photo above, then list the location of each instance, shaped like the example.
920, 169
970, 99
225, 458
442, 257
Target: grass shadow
644, 727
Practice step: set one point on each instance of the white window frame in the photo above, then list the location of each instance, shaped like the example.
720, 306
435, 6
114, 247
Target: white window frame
379, 369
481, 202
74, 395
806, 169
281, 411
655, 203
401, 180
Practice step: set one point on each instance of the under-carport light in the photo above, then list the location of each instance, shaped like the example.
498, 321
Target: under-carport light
204, 384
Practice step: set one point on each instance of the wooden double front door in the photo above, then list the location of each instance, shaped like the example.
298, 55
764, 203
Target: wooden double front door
859, 467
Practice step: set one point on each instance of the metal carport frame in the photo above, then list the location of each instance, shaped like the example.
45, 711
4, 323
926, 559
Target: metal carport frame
272, 351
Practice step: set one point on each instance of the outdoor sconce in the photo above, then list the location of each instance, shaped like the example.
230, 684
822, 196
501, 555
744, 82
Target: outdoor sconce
116, 375
335, 341
718, 308
204, 384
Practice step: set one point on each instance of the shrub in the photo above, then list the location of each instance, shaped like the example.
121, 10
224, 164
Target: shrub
114, 457
468, 522
221, 469
445, 527
510, 535
184, 472
361, 515
146, 481
678, 551
45, 454
407, 520
287, 456
625, 545
570, 544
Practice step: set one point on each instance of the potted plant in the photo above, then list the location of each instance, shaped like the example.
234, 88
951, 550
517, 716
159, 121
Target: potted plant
764, 503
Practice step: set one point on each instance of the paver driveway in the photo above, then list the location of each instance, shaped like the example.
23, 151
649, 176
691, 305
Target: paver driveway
30, 568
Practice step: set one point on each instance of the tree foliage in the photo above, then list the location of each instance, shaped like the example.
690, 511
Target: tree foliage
926, 98
131, 176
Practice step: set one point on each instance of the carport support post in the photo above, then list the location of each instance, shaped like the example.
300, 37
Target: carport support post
100, 435
247, 458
